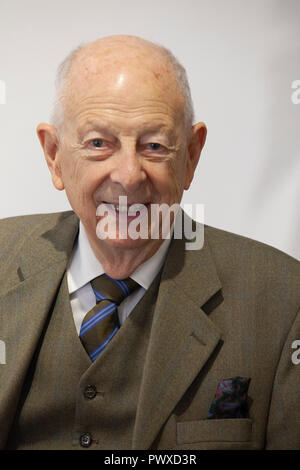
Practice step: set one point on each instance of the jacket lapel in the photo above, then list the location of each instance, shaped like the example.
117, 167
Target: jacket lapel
25, 307
182, 337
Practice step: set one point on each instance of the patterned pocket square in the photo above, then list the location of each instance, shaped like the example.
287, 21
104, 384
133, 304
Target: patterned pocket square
230, 399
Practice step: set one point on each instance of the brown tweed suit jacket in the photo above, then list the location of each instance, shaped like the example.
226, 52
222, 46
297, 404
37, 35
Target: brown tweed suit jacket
229, 309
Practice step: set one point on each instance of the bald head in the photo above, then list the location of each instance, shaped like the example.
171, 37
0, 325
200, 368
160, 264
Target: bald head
120, 60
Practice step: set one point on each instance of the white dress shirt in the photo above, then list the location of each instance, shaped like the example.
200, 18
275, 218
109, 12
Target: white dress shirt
83, 266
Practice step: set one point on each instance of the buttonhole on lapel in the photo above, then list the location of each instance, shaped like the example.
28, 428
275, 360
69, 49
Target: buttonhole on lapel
213, 302
20, 274
194, 334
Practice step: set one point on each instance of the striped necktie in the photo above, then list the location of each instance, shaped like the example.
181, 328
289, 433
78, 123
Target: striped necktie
101, 323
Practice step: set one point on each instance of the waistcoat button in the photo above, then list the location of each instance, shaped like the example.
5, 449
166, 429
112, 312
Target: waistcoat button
90, 391
85, 439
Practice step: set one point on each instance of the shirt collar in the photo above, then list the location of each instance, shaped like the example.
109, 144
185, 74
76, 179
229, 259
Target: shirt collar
83, 265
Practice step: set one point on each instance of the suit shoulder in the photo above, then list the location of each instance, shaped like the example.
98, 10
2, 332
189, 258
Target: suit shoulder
232, 244
254, 263
16, 227
267, 278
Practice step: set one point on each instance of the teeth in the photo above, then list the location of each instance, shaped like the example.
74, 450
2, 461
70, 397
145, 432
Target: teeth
122, 209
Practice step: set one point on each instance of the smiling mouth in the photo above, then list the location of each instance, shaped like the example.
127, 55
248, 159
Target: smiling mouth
133, 207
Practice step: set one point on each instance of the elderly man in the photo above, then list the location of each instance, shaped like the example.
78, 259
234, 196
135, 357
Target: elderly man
117, 342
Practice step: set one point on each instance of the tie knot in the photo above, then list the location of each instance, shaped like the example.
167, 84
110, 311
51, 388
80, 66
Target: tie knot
116, 290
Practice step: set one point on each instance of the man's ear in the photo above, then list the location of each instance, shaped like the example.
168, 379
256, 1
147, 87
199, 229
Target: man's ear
50, 144
197, 141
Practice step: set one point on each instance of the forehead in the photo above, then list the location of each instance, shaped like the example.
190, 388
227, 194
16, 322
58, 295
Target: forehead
109, 86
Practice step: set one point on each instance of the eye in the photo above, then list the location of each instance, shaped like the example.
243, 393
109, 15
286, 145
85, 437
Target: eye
155, 146
97, 143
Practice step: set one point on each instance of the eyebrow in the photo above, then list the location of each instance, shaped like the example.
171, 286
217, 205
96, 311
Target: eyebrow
90, 127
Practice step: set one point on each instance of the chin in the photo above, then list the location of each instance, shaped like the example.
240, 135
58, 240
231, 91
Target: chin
127, 243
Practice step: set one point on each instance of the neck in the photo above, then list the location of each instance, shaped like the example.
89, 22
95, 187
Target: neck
120, 259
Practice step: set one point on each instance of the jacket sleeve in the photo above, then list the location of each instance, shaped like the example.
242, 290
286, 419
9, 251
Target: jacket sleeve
283, 430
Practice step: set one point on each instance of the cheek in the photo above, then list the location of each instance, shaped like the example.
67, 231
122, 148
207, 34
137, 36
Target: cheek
77, 174
167, 179
179, 171
177, 174
69, 168
81, 180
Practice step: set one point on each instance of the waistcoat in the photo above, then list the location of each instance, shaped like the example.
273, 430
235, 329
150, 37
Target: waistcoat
67, 401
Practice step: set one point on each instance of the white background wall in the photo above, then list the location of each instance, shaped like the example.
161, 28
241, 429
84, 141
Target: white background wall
241, 58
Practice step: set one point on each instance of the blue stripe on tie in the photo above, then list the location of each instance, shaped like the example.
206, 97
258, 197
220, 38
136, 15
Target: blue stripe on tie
94, 354
100, 315
99, 312
124, 287
121, 284
98, 295
95, 321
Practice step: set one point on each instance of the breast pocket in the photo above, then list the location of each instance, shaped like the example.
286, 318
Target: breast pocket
210, 432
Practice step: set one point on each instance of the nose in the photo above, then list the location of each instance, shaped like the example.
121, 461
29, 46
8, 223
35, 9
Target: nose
128, 170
